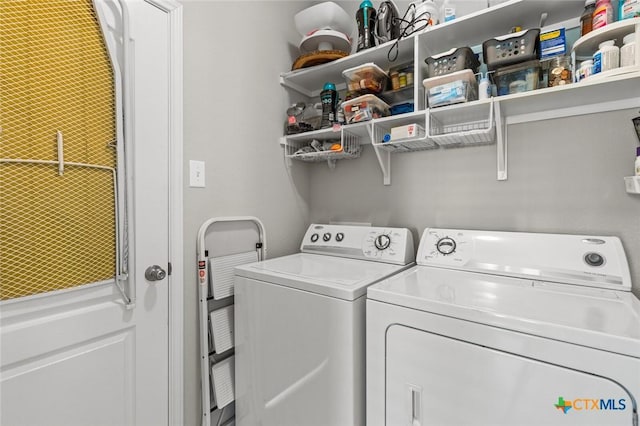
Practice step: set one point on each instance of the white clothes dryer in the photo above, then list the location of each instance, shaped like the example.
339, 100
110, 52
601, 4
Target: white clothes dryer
300, 326
501, 328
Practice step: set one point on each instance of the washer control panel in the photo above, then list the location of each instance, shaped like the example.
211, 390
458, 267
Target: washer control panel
390, 245
561, 258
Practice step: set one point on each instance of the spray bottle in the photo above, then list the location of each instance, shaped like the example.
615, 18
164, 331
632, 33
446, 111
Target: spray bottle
484, 88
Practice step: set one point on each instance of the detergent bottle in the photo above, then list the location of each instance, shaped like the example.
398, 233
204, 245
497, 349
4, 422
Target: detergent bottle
366, 19
329, 99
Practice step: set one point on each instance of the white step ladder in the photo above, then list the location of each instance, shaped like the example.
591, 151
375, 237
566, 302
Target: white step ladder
223, 243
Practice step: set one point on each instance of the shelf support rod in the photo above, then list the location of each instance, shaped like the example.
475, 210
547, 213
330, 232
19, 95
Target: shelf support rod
384, 158
298, 88
501, 142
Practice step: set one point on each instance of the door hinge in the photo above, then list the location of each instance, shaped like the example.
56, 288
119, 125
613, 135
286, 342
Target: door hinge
169, 269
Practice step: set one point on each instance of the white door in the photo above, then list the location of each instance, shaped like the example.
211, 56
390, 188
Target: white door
82, 356
436, 379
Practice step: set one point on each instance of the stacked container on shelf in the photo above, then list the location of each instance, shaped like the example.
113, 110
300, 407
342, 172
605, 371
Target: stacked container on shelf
364, 82
613, 52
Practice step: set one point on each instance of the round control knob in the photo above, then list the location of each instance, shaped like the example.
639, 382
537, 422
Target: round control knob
339, 236
446, 245
314, 238
326, 237
594, 259
382, 242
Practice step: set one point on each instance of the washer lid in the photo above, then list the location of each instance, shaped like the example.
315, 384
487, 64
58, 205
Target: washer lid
597, 318
339, 277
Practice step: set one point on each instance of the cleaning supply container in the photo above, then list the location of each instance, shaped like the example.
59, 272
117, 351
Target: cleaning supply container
366, 19
329, 99
484, 88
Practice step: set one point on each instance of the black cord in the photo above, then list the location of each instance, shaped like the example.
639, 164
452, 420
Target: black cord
388, 24
408, 30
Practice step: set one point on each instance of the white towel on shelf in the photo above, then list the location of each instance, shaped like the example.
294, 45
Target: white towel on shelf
221, 272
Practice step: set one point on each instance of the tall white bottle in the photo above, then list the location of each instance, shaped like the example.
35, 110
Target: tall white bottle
447, 11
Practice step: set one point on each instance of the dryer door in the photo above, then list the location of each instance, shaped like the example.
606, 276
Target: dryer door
432, 379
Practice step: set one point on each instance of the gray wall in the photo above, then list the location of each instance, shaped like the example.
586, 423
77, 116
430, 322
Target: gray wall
565, 176
233, 119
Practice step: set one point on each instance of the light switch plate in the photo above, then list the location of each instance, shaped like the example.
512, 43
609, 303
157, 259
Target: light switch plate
196, 174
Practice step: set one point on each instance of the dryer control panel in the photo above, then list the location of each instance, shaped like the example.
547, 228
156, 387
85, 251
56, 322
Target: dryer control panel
381, 244
587, 260
447, 247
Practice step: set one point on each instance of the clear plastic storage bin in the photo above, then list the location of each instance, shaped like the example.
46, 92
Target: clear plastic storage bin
457, 87
368, 78
518, 78
364, 108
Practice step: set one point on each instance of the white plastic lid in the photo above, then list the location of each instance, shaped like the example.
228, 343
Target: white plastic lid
629, 38
607, 43
587, 63
588, 2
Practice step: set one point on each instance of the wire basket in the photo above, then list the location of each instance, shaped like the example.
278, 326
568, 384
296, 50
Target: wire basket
419, 142
470, 125
313, 150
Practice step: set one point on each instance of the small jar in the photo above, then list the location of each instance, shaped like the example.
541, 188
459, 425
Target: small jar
585, 70
395, 80
628, 51
607, 57
403, 79
559, 71
409, 78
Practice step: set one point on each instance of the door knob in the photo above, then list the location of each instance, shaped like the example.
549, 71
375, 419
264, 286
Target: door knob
155, 273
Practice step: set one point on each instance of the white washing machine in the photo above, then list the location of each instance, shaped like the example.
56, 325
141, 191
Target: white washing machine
497, 328
300, 326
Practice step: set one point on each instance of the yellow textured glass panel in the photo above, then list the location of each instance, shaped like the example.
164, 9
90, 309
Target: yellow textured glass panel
55, 75
50, 240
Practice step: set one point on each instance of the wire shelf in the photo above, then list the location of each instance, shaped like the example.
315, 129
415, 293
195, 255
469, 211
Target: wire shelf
347, 147
472, 124
419, 142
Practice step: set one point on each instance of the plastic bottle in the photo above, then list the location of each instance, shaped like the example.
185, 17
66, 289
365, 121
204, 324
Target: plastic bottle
585, 70
366, 19
629, 9
586, 19
628, 50
329, 99
484, 88
603, 15
607, 57
638, 161
422, 15
448, 11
